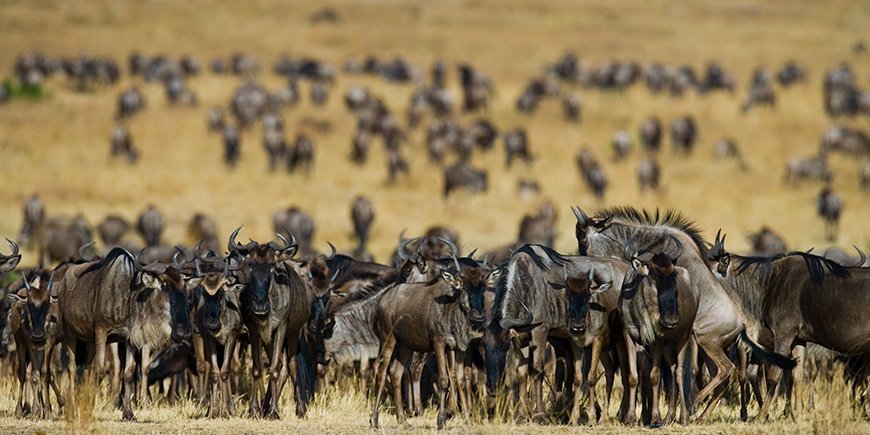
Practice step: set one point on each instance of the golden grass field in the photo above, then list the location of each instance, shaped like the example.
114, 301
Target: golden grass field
59, 146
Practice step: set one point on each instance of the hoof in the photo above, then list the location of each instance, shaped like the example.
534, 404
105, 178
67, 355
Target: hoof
128, 416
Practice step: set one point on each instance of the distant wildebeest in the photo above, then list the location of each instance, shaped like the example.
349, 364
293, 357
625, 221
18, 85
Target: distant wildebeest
683, 134
463, 175
842, 257
232, 151
249, 103
275, 307
360, 146
396, 164
829, 206
716, 78
319, 93
146, 306
798, 298
32, 222
362, 214
203, 229
476, 88
150, 225
845, 140
528, 188
300, 224
648, 174
516, 145
841, 95
864, 175
760, 91
726, 148
302, 154
130, 102
216, 119
62, 238
651, 133
791, 73
621, 144
814, 168
766, 242
111, 230
275, 145
177, 92
592, 172
572, 107
122, 144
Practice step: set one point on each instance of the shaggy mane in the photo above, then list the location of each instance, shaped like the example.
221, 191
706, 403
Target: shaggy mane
816, 266
670, 218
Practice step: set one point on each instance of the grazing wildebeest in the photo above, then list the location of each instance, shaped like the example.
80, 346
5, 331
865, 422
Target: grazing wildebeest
33, 221
178, 93
302, 154
648, 174
815, 168
129, 102
532, 300
720, 318
62, 238
798, 298
203, 229
120, 299
592, 172
621, 144
362, 213
216, 119
683, 134
275, 307
437, 316
463, 175
766, 242
571, 107
150, 225
651, 133
716, 78
829, 206
112, 230
33, 320
122, 144
516, 145
232, 151
295, 221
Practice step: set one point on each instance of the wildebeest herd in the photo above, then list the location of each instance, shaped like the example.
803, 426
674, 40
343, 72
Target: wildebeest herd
645, 299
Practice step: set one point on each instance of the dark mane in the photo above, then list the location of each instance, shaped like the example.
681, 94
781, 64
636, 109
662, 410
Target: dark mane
670, 218
108, 259
500, 291
554, 256
816, 266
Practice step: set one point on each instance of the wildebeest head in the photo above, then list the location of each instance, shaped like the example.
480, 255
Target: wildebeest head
37, 309
579, 291
584, 225
322, 280
467, 285
164, 285
659, 268
719, 258
264, 263
212, 286
8, 262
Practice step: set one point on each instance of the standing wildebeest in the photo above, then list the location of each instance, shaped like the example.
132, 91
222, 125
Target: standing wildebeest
203, 229
319, 93
249, 103
362, 212
438, 316
122, 144
760, 91
683, 134
112, 230
62, 238
118, 298
302, 154
232, 151
295, 221
582, 314
130, 102
791, 73
829, 206
33, 324
516, 145
150, 225
463, 175
34, 219
793, 298
720, 318
396, 164
476, 88
766, 242
571, 107
621, 144
592, 172
648, 174
651, 133
216, 119
275, 144
811, 168
275, 307
360, 146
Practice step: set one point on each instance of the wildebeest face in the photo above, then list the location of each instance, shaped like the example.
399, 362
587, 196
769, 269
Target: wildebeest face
37, 309
212, 300
469, 285
579, 291
719, 258
663, 274
174, 298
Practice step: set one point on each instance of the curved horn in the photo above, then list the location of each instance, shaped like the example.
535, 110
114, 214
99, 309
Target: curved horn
332, 248
178, 264
485, 265
679, 249
403, 243
292, 236
232, 245
226, 267
14, 247
26, 282
582, 219
197, 248
862, 258
454, 252
196, 266
82, 251
137, 263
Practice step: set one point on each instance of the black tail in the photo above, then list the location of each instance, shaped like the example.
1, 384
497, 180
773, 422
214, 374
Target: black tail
776, 359
306, 372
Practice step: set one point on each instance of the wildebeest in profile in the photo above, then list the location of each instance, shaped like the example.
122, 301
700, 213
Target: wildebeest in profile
463, 175
572, 107
592, 172
62, 238
829, 206
791, 73
813, 168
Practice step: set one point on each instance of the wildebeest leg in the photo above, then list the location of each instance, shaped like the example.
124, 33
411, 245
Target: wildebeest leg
388, 345
143, 378
100, 337
742, 364
116, 374
609, 375
783, 347
538, 350
276, 359
453, 390
577, 354
754, 372
443, 379
214, 376
724, 368
201, 384
669, 357
36, 379
229, 405
256, 374
129, 373
459, 380
396, 369
797, 375
592, 381
680, 375
21, 408
630, 416
523, 362
414, 376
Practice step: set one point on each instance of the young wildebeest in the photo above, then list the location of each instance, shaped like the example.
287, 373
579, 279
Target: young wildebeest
437, 316
33, 320
829, 206
275, 307
582, 314
720, 318
793, 298
814, 168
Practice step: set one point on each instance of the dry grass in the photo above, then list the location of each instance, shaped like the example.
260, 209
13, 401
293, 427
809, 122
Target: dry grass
59, 146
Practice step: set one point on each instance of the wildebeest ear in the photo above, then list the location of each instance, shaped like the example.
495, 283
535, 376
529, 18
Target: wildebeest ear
492, 278
450, 279
52, 299
287, 253
638, 266
148, 280
14, 297
556, 285
602, 288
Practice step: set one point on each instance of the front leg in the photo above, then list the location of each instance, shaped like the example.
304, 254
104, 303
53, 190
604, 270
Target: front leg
143, 378
592, 402
539, 352
256, 374
443, 379
129, 373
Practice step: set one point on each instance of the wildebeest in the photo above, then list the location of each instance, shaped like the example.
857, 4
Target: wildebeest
33, 221
319, 93
815, 168
295, 221
302, 154
362, 214
150, 225
275, 145
760, 91
651, 133
845, 140
829, 206
62, 238
683, 134
122, 144
440, 316
571, 107
791, 73
516, 145
621, 144
249, 103
232, 151
798, 298
177, 92
592, 172
476, 88
216, 119
766, 242
112, 230
360, 146
648, 174
203, 229
396, 164
130, 102
463, 175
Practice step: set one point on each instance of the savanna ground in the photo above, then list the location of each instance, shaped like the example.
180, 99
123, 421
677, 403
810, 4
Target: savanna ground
58, 146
